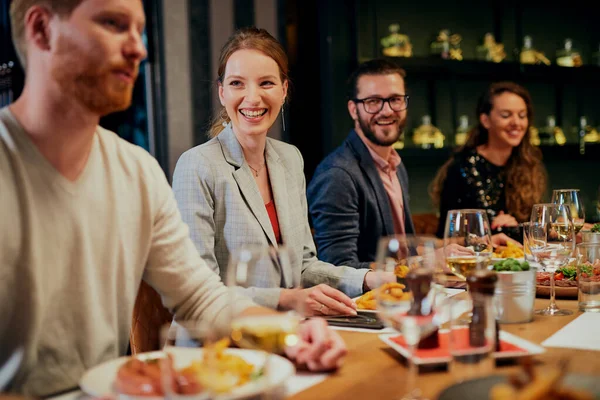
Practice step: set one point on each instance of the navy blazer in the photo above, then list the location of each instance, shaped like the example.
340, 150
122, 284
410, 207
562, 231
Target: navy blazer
349, 206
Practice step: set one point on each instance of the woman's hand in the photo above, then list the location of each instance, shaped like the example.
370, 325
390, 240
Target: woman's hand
504, 220
320, 348
317, 300
455, 250
500, 239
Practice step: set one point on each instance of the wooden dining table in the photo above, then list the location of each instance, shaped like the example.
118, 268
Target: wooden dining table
372, 370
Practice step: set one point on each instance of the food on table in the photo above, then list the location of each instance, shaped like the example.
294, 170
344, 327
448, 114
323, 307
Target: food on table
217, 370
567, 276
390, 291
510, 251
596, 228
529, 385
510, 264
401, 270
138, 377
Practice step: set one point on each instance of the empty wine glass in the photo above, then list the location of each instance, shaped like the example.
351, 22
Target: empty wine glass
411, 314
572, 199
468, 228
552, 242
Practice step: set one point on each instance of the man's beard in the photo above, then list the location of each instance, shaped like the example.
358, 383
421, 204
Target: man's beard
370, 135
90, 84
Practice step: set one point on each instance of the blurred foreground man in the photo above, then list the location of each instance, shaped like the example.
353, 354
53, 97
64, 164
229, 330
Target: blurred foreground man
85, 215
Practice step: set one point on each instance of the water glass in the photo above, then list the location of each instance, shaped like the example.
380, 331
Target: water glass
588, 276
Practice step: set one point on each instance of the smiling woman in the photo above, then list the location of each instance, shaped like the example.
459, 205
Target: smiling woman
242, 188
498, 169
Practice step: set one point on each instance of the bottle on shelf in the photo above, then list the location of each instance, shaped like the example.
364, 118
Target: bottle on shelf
568, 56
529, 55
447, 46
396, 44
427, 136
462, 132
534, 135
490, 50
552, 134
586, 134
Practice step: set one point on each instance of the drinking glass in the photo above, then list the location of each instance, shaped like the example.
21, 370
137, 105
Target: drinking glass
253, 267
588, 276
572, 199
411, 314
552, 243
468, 228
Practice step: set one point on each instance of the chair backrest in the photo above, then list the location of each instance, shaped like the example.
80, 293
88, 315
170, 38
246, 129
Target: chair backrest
425, 224
149, 316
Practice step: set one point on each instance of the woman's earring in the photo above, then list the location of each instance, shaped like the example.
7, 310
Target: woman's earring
283, 117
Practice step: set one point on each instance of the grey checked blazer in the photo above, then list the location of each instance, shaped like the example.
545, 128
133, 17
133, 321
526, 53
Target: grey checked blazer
220, 201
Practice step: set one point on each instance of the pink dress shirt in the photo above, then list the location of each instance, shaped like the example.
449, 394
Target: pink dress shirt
391, 183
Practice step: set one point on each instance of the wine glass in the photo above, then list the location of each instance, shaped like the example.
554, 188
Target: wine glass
468, 228
411, 314
250, 271
572, 199
552, 243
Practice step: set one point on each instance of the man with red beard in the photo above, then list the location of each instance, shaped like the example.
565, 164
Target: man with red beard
85, 215
360, 191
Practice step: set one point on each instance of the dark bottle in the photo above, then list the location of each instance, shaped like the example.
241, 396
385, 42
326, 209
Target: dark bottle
481, 287
418, 282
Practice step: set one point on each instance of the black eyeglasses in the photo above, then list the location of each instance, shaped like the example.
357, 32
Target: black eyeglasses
373, 105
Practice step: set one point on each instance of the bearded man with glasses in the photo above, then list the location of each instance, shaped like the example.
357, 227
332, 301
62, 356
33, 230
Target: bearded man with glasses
360, 191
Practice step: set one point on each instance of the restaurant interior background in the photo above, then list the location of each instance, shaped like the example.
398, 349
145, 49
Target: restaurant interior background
325, 40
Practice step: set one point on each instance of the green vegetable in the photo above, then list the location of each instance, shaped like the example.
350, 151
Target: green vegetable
570, 273
596, 228
587, 269
510, 264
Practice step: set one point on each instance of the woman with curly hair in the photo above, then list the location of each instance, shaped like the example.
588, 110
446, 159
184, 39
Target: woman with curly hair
497, 169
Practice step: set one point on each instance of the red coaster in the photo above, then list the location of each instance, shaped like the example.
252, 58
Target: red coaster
444, 349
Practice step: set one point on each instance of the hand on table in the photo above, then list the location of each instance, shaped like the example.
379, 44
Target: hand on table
320, 348
318, 300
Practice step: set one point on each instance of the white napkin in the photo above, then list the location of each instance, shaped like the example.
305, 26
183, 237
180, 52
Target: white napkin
581, 333
302, 381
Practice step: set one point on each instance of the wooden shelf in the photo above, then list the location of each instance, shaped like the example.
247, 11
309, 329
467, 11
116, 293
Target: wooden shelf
437, 68
415, 156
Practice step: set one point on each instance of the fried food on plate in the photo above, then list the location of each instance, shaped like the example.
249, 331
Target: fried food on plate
390, 291
510, 251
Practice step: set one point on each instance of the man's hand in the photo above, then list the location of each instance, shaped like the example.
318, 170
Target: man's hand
504, 220
500, 239
320, 348
317, 300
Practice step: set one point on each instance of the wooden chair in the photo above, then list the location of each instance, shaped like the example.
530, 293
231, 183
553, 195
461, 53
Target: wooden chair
425, 224
149, 316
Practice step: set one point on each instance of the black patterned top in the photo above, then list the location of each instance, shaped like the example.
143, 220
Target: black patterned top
474, 182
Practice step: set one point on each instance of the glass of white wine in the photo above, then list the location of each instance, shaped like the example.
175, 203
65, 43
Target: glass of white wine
552, 243
410, 313
470, 229
572, 199
252, 268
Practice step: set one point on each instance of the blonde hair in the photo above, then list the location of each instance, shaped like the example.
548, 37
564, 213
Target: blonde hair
18, 11
247, 39
526, 176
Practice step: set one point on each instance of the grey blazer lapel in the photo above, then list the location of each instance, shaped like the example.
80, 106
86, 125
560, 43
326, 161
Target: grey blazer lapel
368, 165
232, 151
279, 185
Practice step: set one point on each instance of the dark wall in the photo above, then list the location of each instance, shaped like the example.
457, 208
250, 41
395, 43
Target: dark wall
350, 31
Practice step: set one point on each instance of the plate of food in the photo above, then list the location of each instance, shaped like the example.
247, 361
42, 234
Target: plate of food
548, 383
395, 290
233, 374
511, 250
511, 346
565, 283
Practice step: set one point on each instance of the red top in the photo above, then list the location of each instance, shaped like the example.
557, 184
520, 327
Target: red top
273, 217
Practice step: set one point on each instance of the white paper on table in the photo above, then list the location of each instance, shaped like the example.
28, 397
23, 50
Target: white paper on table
302, 381
581, 333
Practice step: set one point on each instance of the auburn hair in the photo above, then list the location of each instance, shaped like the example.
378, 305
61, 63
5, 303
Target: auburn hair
526, 177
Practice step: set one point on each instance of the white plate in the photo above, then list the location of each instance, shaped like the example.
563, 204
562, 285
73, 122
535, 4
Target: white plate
529, 347
98, 381
449, 292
